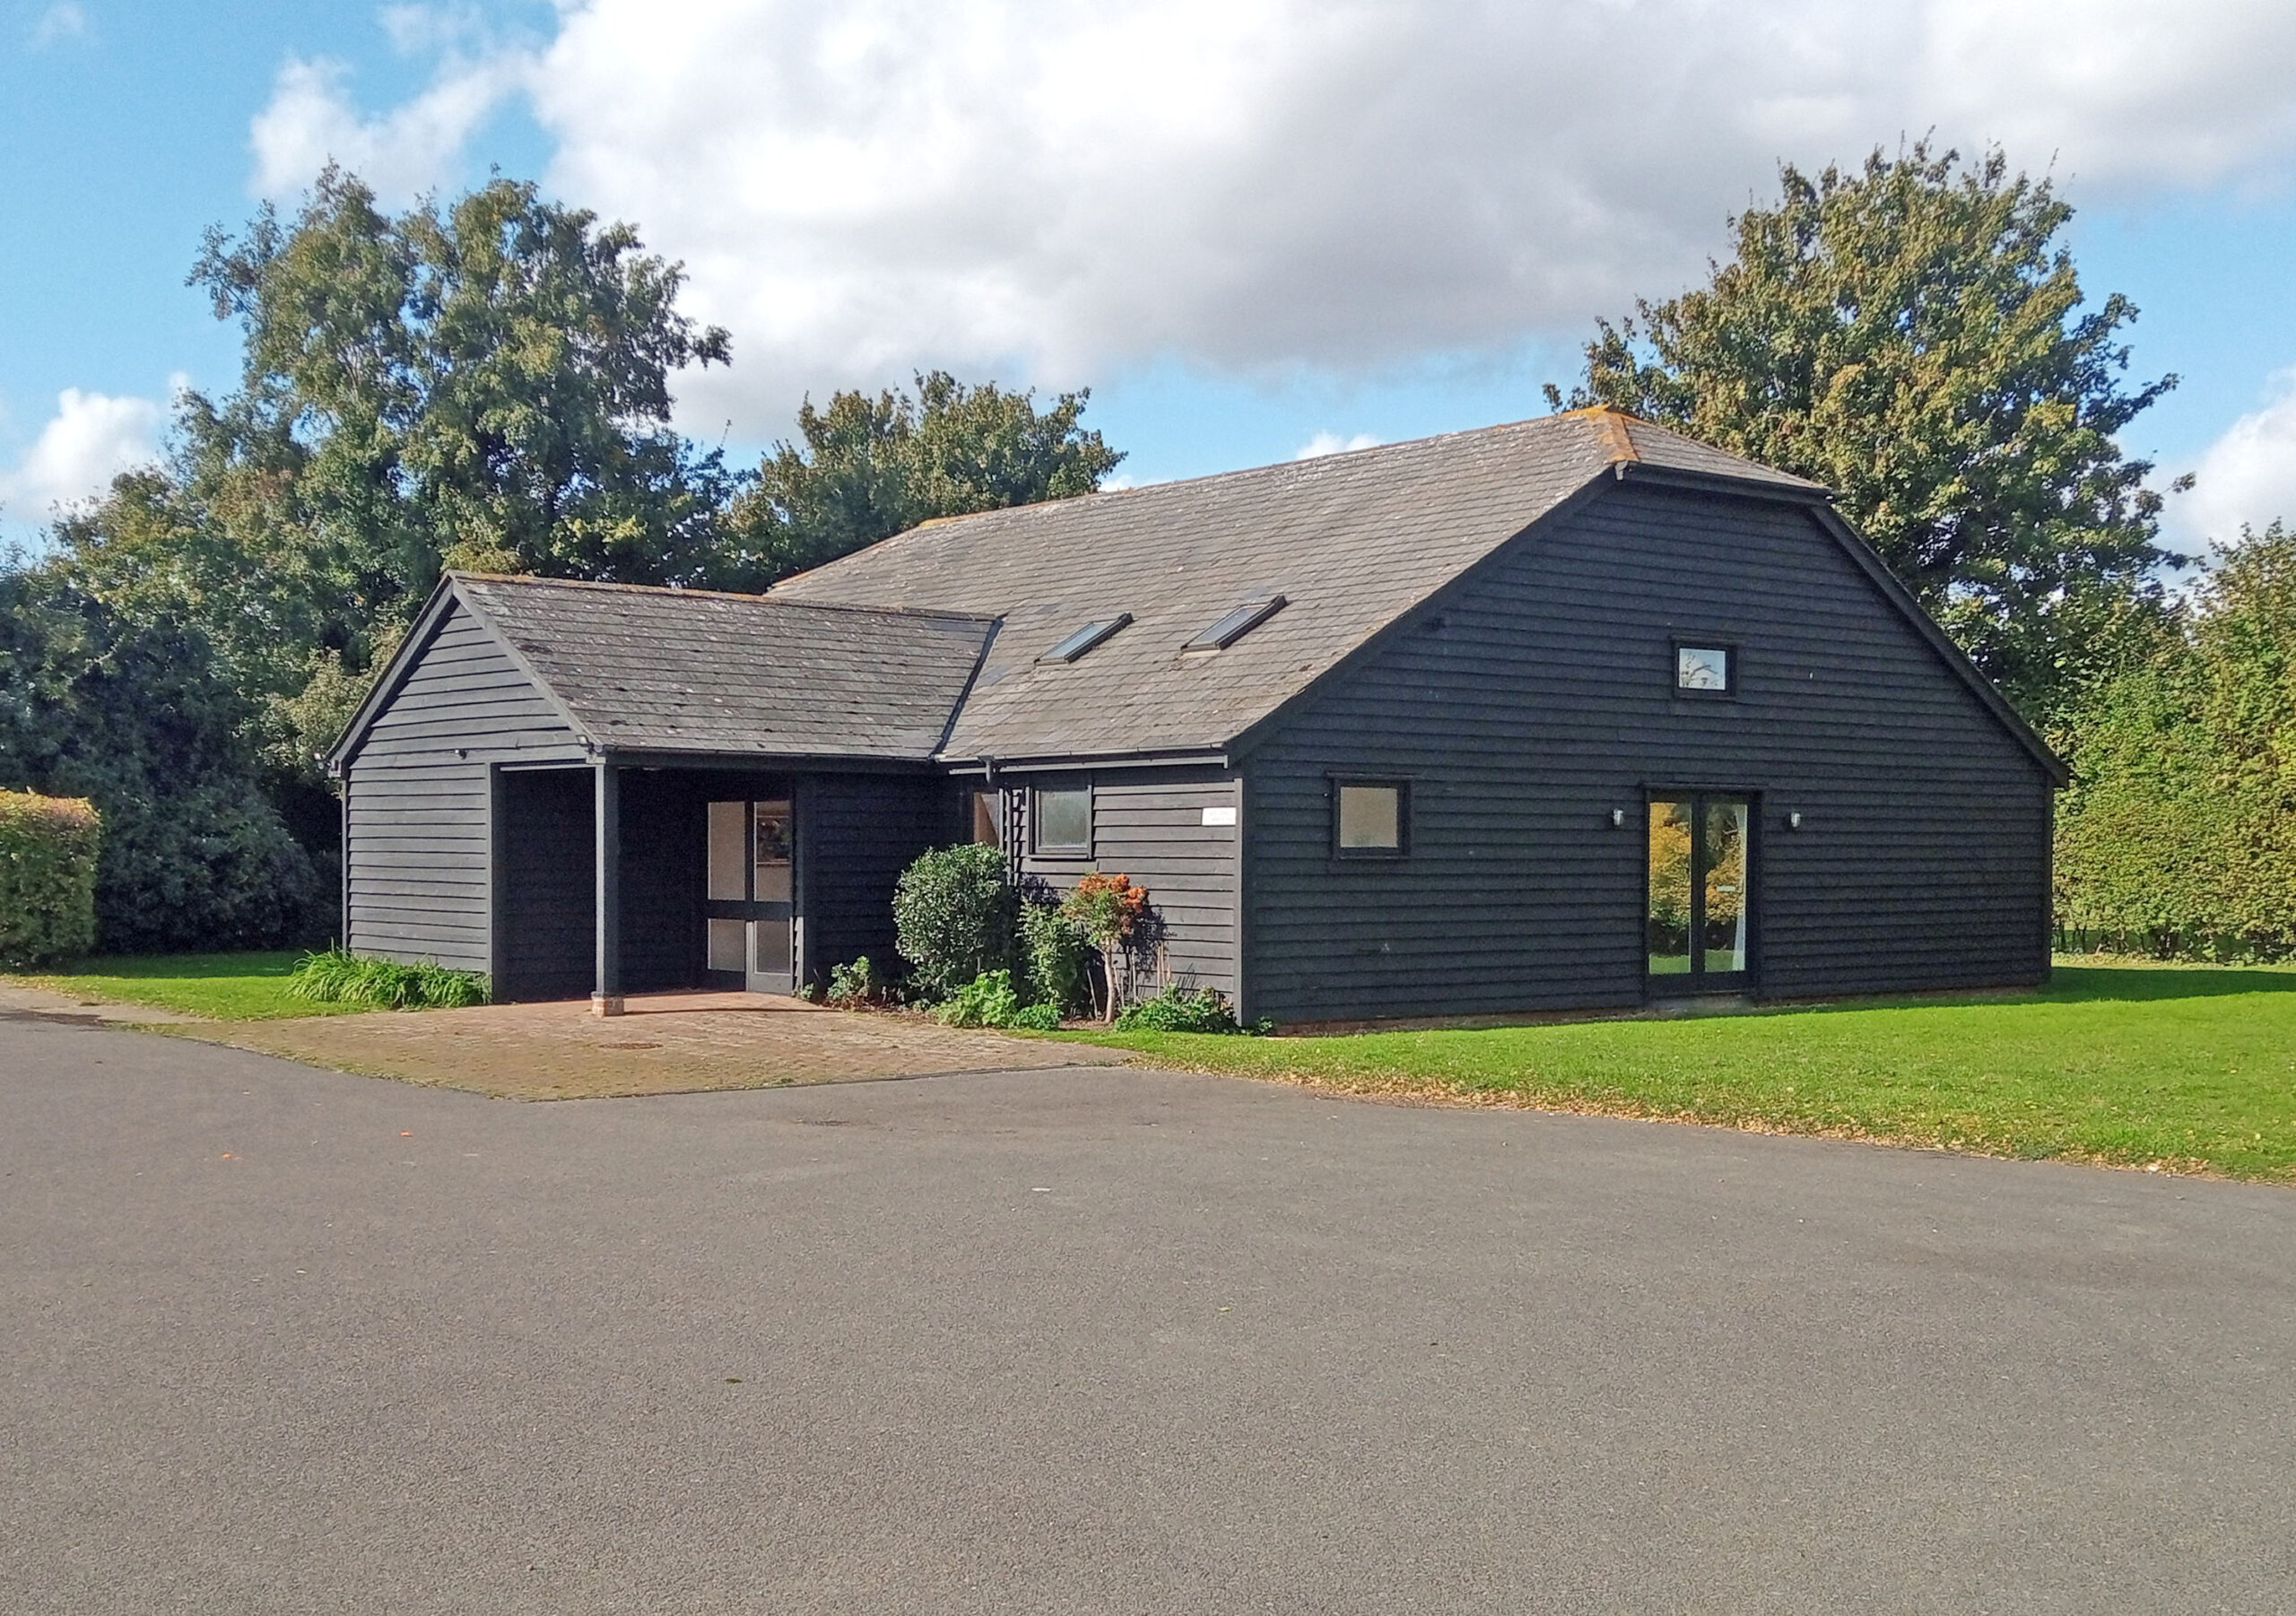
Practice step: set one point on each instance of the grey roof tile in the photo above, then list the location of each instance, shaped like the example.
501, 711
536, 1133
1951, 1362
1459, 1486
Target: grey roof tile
1351, 540
688, 671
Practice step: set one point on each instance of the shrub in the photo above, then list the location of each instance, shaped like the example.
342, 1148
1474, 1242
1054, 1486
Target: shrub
954, 911
338, 977
851, 987
1108, 908
48, 851
1056, 959
988, 1000
1183, 1010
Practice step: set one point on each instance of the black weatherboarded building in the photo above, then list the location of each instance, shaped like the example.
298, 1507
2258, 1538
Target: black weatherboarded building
1572, 713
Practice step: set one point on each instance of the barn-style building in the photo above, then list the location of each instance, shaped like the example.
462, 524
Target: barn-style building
1569, 714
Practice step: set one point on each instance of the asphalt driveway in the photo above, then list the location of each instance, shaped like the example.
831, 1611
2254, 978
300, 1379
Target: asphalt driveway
280, 1340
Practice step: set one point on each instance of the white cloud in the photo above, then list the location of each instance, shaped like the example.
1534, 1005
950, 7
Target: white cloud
310, 122
1044, 191
61, 21
92, 438
2247, 475
1332, 443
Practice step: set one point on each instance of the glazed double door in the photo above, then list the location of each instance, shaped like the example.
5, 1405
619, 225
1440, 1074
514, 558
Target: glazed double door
1699, 918
751, 905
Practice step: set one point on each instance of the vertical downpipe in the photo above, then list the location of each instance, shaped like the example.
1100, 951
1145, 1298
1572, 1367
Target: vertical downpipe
605, 998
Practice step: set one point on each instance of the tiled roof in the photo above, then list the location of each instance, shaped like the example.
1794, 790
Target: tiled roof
1352, 541
688, 671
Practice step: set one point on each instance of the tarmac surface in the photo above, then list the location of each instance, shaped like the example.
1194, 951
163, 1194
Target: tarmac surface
274, 1339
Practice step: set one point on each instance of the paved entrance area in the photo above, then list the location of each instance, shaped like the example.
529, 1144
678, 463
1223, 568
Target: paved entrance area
667, 1043
279, 1340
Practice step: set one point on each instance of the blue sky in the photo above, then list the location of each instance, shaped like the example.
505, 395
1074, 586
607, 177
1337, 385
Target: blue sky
1252, 228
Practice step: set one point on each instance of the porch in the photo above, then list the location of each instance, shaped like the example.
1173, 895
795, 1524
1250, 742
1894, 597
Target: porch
627, 876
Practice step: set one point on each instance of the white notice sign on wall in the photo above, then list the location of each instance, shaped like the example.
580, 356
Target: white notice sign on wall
1219, 816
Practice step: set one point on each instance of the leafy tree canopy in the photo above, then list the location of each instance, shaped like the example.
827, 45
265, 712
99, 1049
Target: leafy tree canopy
1913, 335
483, 385
135, 715
868, 467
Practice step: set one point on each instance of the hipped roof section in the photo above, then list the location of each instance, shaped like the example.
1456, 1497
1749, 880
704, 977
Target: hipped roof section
691, 672
1352, 541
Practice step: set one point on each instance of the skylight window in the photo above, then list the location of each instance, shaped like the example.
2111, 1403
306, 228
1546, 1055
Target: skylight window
1085, 639
1236, 624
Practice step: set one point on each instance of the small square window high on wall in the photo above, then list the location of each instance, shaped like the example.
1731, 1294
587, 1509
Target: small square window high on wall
989, 818
1369, 818
1704, 670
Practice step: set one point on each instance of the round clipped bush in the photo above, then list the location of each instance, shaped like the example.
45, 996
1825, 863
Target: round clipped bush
954, 911
48, 848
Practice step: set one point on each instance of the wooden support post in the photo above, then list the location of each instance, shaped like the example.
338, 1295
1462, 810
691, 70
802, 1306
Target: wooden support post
605, 999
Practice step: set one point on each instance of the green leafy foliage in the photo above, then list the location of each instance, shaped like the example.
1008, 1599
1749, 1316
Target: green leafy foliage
1055, 957
1180, 1009
954, 916
337, 978
2179, 835
135, 715
1913, 335
484, 385
868, 467
991, 1000
859, 986
48, 848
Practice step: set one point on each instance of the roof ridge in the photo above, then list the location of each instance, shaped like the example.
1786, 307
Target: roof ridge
764, 597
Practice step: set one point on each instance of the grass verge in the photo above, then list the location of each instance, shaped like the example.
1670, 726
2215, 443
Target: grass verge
2189, 1067
225, 987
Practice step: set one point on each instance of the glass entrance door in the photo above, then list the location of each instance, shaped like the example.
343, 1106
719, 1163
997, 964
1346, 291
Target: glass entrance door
1699, 915
751, 894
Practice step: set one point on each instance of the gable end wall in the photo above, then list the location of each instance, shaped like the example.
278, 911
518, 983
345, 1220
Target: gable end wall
418, 822
1544, 701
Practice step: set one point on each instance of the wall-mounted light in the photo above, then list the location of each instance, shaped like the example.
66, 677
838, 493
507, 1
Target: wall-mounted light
1794, 820
1618, 819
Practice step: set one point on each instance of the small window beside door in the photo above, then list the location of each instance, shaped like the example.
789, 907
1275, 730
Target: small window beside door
1370, 819
1062, 822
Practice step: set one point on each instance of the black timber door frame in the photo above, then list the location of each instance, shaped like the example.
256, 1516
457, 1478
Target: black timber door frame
1720, 829
767, 922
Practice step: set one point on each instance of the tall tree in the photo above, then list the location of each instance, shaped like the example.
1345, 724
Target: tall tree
865, 468
134, 715
485, 385
1913, 335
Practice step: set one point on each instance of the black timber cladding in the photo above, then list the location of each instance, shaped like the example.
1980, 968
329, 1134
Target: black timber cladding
419, 820
1534, 697
1349, 541
843, 668
1150, 824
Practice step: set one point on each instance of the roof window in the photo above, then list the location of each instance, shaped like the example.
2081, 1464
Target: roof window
1236, 624
1085, 639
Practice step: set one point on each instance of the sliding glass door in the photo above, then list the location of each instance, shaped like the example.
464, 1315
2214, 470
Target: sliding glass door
1698, 919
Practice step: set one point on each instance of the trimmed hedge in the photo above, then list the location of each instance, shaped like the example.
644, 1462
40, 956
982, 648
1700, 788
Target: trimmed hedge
48, 848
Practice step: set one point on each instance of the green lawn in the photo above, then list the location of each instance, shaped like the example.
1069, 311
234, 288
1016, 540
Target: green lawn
2190, 1066
229, 987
